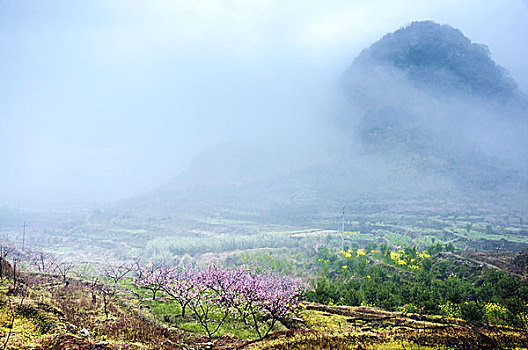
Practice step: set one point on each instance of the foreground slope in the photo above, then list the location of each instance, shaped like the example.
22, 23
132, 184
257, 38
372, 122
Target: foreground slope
46, 314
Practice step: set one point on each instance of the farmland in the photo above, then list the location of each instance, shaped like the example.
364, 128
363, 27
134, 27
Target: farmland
413, 273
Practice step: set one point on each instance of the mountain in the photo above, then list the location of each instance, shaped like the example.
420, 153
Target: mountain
441, 58
426, 114
427, 92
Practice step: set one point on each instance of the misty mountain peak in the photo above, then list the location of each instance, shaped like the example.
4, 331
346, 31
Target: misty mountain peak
427, 92
441, 57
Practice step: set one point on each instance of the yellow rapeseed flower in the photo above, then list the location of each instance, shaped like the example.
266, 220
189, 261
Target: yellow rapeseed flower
347, 254
423, 255
394, 255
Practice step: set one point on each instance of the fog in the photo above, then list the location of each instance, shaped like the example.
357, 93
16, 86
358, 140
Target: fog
105, 100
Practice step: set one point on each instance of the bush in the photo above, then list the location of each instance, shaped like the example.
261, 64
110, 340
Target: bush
472, 311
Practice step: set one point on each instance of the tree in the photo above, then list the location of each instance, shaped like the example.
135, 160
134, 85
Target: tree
270, 298
44, 262
116, 272
6, 249
214, 294
371, 246
384, 248
180, 287
472, 311
64, 269
153, 277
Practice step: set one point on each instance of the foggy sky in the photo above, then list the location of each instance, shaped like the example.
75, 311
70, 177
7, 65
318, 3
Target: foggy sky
102, 100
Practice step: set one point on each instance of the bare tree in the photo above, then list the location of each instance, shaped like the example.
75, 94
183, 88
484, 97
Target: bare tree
116, 272
44, 262
93, 287
64, 269
6, 249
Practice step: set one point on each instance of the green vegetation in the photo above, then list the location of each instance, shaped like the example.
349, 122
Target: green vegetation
401, 270
415, 281
171, 246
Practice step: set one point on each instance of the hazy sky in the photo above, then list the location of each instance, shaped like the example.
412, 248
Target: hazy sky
101, 100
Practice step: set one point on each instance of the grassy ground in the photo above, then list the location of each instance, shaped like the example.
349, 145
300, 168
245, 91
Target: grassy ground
370, 328
46, 314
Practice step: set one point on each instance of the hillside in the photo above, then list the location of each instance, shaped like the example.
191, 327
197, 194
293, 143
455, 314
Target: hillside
361, 299
45, 314
426, 92
427, 115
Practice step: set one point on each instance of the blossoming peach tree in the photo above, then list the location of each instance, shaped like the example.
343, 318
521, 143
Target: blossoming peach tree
214, 294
